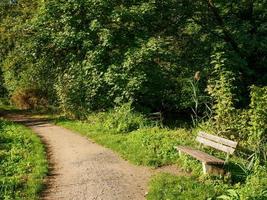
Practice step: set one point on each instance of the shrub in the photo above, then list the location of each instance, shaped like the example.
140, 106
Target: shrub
29, 99
123, 119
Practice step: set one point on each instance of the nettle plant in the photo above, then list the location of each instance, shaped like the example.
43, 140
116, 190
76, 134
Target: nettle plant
220, 88
258, 121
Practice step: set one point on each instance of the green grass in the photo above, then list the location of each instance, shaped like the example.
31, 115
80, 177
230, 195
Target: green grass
170, 187
23, 164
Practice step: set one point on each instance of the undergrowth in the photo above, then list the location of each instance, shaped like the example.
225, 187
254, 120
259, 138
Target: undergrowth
22, 162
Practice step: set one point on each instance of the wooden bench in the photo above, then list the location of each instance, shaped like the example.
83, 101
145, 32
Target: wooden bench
211, 164
155, 116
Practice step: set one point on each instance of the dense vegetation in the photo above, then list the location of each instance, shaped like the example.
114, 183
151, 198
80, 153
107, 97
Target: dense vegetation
90, 55
21, 170
113, 63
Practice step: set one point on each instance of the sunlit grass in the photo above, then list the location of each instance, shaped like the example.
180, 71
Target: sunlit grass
23, 164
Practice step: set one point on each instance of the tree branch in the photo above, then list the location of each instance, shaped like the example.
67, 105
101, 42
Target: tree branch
227, 36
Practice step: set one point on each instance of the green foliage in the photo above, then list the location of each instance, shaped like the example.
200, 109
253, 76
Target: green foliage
3, 92
231, 195
91, 55
124, 120
157, 145
21, 171
190, 165
4, 101
169, 187
254, 187
15, 59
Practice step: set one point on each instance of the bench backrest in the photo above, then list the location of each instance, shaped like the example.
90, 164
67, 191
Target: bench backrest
216, 142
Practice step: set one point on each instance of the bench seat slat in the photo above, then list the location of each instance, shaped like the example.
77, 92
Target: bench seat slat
215, 145
218, 139
201, 156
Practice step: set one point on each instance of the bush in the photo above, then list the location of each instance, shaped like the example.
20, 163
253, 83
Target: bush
29, 99
124, 120
119, 120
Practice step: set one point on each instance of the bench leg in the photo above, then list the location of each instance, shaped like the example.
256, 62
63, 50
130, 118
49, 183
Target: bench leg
212, 169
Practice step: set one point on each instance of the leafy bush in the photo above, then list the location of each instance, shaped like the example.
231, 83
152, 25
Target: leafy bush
170, 187
21, 170
124, 120
3, 91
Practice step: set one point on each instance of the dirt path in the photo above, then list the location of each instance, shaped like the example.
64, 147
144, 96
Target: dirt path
83, 170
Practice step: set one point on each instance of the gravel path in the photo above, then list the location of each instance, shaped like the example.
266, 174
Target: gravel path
84, 170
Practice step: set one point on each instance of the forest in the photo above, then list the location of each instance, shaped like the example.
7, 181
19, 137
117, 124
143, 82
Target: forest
146, 74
